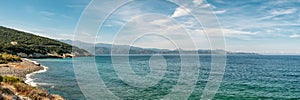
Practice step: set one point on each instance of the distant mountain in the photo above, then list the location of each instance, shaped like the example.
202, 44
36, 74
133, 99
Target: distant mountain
104, 49
29, 45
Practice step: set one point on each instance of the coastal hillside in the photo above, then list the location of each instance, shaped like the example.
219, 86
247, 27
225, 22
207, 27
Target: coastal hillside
28, 45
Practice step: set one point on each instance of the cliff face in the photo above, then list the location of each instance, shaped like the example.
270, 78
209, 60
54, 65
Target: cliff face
28, 45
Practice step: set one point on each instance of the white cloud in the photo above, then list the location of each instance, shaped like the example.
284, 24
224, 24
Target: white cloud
47, 13
220, 12
283, 11
207, 6
77, 6
66, 17
181, 11
294, 36
233, 31
163, 26
197, 2
160, 22
278, 12
229, 31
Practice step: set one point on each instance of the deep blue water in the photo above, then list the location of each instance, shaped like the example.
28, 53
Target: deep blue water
246, 77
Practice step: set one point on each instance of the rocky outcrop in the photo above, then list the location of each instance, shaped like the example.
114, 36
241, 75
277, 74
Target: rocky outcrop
22, 91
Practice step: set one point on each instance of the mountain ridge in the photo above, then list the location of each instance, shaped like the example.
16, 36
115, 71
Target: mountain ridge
28, 45
105, 49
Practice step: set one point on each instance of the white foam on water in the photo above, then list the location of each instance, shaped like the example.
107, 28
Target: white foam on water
29, 80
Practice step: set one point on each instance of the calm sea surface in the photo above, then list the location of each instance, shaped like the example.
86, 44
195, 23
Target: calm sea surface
246, 77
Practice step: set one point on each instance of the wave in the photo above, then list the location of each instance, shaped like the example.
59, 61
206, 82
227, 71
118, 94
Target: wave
29, 80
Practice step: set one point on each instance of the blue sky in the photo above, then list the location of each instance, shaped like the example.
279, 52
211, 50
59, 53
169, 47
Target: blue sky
261, 26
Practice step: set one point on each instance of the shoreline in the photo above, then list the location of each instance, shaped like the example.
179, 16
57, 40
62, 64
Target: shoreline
24, 69
28, 80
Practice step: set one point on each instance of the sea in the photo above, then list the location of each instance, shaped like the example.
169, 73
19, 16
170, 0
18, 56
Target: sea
245, 77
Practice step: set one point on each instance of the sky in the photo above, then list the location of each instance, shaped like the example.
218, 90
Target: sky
259, 26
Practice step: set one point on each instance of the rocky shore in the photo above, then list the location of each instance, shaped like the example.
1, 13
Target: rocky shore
20, 69
21, 90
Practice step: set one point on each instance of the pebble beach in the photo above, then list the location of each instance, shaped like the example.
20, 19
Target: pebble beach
22, 69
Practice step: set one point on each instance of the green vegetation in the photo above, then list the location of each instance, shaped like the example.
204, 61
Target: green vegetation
12, 86
20, 87
11, 79
5, 58
13, 42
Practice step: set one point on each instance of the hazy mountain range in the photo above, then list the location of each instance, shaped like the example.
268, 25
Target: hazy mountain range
105, 49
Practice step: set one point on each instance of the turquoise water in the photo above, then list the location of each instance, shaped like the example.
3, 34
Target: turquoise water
246, 77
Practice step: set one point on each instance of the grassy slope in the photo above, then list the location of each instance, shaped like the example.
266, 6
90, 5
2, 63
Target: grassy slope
29, 43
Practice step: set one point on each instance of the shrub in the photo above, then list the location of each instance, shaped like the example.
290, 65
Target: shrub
11, 80
23, 88
5, 58
1, 78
